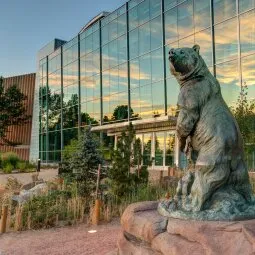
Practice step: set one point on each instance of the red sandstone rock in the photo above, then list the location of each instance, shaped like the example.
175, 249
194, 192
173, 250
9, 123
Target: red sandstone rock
146, 233
146, 224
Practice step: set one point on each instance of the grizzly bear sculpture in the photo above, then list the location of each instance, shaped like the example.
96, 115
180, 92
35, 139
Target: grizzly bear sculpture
218, 187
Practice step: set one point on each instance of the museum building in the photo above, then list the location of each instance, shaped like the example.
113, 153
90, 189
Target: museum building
116, 71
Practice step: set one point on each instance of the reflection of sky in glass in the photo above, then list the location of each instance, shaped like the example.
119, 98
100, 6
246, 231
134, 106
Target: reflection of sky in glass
226, 40
228, 77
224, 9
248, 75
247, 33
146, 64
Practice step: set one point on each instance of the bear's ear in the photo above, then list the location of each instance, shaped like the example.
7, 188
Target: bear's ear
196, 48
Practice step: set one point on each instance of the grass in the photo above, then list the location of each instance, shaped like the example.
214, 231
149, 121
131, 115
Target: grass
61, 205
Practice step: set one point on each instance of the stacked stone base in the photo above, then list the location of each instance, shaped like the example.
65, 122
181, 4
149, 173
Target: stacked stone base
146, 232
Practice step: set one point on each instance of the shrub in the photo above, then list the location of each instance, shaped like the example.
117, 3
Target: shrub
25, 166
10, 158
8, 167
125, 158
83, 164
22, 166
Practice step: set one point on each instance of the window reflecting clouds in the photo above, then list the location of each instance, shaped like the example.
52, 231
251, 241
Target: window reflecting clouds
159, 148
248, 75
185, 18
224, 9
202, 14
245, 5
226, 47
78, 90
247, 33
173, 89
228, 77
171, 32
170, 3
204, 39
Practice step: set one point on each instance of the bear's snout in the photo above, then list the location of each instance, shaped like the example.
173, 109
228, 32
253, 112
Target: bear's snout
171, 54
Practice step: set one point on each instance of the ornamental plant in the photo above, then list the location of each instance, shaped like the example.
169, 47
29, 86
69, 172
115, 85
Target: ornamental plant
82, 165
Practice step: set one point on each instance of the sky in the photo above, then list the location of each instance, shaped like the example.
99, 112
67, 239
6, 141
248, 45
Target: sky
28, 25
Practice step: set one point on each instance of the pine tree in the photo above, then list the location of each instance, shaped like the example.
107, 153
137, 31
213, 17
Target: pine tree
244, 112
127, 156
84, 163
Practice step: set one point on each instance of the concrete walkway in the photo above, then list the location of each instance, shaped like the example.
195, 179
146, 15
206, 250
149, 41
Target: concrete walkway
25, 178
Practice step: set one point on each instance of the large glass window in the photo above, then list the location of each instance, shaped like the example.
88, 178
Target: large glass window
133, 18
187, 42
185, 19
113, 29
159, 148
247, 33
143, 12
156, 33
145, 70
173, 89
70, 134
146, 102
113, 53
144, 38
157, 65
226, 47
169, 4
228, 77
248, 75
245, 5
135, 102
133, 43
155, 8
134, 73
202, 14
170, 148
54, 141
224, 9
122, 49
147, 141
70, 117
204, 39
105, 34
122, 24
158, 99
171, 32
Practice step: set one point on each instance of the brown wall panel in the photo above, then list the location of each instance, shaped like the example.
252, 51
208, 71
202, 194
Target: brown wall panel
21, 134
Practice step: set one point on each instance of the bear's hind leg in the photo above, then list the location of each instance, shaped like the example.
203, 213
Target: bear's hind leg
207, 180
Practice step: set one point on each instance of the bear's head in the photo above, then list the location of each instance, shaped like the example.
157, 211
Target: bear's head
185, 62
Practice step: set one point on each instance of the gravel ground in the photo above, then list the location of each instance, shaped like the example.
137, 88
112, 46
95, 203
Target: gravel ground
45, 174
75, 240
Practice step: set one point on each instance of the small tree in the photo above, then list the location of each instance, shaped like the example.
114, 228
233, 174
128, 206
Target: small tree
126, 156
244, 112
83, 164
12, 110
141, 171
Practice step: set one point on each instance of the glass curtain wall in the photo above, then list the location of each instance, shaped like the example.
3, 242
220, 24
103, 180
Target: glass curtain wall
70, 94
118, 67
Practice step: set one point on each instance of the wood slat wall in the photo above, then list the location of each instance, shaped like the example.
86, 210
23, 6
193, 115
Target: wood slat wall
21, 134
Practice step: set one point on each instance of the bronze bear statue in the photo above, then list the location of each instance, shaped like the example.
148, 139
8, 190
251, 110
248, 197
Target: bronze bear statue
220, 181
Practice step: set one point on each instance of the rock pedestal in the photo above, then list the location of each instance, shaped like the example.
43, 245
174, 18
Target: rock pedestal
146, 232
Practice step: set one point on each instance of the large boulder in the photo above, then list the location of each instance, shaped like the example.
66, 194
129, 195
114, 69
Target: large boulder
146, 232
26, 195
